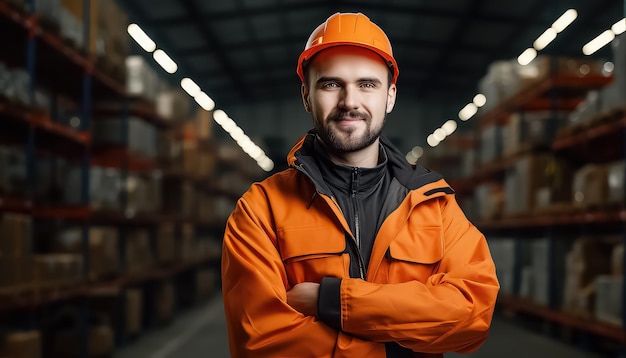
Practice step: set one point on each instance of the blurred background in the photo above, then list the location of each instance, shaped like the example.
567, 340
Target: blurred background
129, 129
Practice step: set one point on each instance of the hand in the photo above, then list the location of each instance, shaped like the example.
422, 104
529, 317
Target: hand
303, 298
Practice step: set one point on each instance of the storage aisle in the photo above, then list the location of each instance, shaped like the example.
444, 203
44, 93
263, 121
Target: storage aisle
201, 332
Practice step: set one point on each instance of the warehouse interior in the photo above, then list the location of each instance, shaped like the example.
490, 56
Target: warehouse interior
130, 128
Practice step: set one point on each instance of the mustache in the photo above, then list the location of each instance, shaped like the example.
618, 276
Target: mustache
340, 115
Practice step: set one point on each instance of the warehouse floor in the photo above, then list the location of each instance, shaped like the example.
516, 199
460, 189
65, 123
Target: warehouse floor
201, 332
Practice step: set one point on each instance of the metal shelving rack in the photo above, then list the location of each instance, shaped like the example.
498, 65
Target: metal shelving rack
33, 46
611, 135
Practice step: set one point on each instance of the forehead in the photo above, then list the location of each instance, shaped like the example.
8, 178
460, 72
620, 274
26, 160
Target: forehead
346, 60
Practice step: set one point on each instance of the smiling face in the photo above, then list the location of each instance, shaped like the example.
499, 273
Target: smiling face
348, 95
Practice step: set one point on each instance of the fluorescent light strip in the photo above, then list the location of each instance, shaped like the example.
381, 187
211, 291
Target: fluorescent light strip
565, 20
246, 144
165, 61
190, 87
206, 102
141, 37
600, 41
619, 27
468, 111
527, 56
544, 39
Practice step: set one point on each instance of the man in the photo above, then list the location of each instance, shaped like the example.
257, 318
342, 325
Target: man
353, 252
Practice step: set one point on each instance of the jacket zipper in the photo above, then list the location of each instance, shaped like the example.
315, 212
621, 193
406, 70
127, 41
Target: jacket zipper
357, 233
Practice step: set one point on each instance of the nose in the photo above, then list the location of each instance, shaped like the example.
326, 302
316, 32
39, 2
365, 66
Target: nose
349, 98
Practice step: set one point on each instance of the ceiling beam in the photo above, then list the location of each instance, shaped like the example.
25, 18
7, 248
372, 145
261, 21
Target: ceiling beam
193, 13
299, 41
313, 5
457, 36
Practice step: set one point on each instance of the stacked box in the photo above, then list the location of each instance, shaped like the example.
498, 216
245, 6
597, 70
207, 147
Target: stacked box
490, 144
104, 187
141, 136
14, 84
615, 182
529, 175
100, 342
527, 130
12, 171
540, 271
50, 178
113, 40
206, 281
584, 262
166, 243
174, 105
139, 256
164, 302
141, 79
178, 197
134, 311
585, 111
71, 22
617, 260
103, 248
590, 186
489, 200
619, 59
609, 299
21, 345
51, 268
169, 150
143, 193
503, 254
16, 252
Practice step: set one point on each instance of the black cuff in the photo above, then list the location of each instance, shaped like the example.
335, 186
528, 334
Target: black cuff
329, 302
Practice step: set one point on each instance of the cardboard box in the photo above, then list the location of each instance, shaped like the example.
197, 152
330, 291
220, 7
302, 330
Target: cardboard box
609, 299
22, 345
590, 186
134, 308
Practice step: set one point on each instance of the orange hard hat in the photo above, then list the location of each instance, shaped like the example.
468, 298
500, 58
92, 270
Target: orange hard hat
348, 29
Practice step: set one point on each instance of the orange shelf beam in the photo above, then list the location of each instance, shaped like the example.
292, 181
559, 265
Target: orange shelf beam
584, 324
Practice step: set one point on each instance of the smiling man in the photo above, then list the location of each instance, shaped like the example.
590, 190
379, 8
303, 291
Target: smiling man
352, 251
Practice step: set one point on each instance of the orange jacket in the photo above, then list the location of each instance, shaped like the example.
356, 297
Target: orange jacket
431, 284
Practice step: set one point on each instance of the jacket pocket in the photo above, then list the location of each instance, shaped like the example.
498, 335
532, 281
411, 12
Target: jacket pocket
415, 255
311, 253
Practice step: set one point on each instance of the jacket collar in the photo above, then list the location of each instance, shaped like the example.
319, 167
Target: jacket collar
302, 157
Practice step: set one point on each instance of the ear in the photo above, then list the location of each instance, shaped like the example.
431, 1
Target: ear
304, 91
391, 98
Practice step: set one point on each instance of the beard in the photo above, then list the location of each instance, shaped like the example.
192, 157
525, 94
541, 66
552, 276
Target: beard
338, 143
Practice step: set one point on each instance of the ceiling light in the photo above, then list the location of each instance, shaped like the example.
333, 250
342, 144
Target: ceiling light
468, 111
600, 41
190, 86
219, 116
417, 151
527, 56
480, 100
608, 67
439, 134
266, 164
432, 141
141, 37
165, 61
565, 20
228, 124
449, 127
544, 39
205, 101
619, 27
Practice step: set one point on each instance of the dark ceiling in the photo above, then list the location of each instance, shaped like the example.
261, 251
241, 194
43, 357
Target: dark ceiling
245, 51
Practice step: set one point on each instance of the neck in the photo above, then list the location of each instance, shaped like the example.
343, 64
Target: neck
364, 158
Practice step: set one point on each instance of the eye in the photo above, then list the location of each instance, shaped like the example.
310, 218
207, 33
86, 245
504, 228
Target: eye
330, 84
368, 85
